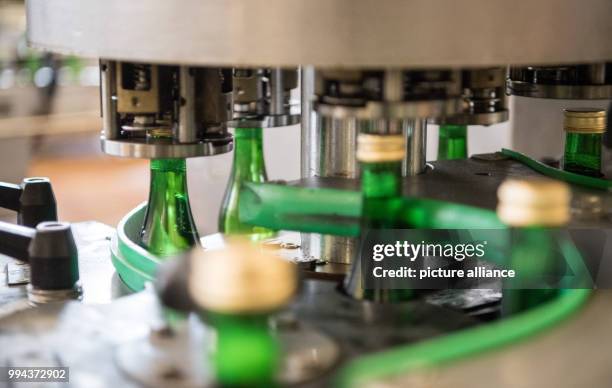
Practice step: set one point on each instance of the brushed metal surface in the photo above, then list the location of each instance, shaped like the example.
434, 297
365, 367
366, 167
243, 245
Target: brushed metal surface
269, 121
415, 134
139, 148
366, 33
121, 344
574, 354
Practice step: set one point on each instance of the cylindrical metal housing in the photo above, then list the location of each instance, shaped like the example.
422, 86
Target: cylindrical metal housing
110, 126
415, 132
187, 127
327, 33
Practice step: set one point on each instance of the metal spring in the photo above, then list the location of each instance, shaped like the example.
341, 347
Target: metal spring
142, 76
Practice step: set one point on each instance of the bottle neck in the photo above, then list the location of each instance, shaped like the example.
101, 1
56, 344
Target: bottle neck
381, 180
381, 188
168, 165
452, 142
169, 227
583, 153
535, 253
234, 367
538, 265
532, 242
168, 178
249, 164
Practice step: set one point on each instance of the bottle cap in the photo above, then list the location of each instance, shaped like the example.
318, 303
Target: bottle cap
533, 202
584, 120
380, 148
241, 278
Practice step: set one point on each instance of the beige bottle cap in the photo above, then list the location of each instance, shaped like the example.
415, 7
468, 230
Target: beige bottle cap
380, 148
584, 120
533, 202
241, 278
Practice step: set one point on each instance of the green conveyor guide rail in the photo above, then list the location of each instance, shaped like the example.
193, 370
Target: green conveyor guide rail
134, 264
462, 345
337, 212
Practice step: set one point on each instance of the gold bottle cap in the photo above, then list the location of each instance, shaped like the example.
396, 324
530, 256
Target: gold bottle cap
584, 120
241, 278
533, 202
380, 148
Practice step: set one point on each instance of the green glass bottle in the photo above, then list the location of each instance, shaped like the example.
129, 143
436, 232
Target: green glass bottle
248, 166
452, 143
380, 158
584, 130
535, 209
247, 351
168, 228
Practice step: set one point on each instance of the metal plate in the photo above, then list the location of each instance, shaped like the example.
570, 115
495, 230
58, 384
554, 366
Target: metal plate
17, 274
566, 92
288, 245
266, 121
167, 357
116, 344
475, 118
136, 148
394, 110
365, 33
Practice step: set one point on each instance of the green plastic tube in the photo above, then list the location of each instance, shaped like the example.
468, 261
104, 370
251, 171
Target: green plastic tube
569, 177
338, 212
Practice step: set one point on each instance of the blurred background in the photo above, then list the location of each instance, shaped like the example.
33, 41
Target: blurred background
50, 123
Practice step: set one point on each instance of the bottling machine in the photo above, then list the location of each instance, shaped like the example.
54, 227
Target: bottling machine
175, 77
